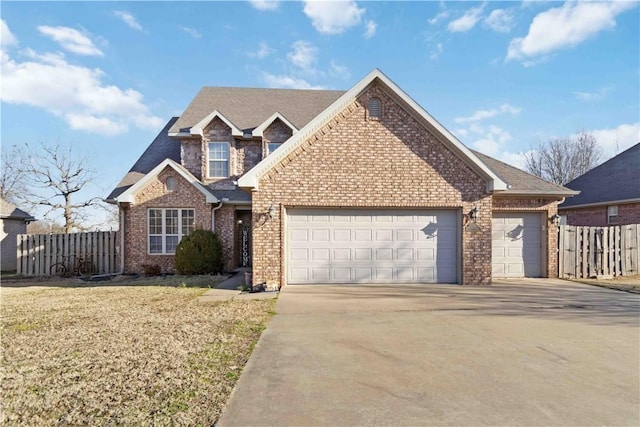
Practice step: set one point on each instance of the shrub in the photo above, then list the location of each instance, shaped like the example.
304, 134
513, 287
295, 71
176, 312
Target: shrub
199, 253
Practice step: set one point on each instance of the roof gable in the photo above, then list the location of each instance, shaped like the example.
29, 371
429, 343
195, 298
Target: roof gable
257, 132
10, 211
198, 129
616, 180
129, 196
250, 179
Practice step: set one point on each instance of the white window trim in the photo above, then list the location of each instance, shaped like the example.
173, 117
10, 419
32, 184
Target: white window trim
164, 234
209, 159
612, 215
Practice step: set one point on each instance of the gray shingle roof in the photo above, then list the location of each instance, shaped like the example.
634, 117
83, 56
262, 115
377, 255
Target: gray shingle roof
10, 211
296, 105
162, 147
521, 182
615, 180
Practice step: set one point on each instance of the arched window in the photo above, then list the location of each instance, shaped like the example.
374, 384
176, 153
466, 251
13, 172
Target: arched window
375, 108
170, 184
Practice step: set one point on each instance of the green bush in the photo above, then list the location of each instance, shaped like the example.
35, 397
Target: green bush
199, 253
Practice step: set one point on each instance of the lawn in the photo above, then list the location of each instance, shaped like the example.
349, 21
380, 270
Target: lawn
108, 354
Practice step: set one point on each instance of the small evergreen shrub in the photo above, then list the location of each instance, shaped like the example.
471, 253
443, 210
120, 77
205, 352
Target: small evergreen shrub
199, 253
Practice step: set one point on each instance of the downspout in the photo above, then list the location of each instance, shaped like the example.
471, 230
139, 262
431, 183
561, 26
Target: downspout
122, 224
213, 215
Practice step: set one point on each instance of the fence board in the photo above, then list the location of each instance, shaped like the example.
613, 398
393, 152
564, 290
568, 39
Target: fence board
598, 251
36, 253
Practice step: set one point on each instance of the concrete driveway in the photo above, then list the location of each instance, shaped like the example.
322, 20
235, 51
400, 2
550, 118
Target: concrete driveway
521, 352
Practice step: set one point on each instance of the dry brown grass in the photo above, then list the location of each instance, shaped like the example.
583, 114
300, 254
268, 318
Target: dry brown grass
622, 283
127, 355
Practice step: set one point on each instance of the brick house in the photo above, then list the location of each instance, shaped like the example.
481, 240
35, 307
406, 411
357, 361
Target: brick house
335, 187
609, 193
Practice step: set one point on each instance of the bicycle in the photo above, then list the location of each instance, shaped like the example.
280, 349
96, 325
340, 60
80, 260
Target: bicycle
81, 267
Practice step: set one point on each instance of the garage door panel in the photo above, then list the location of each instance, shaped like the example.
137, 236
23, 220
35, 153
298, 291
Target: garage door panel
517, 244
375, 246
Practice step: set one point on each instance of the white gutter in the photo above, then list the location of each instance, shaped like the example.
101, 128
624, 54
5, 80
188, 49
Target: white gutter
608, 203
213, 215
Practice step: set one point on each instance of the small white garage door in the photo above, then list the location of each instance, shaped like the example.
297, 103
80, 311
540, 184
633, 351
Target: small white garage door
517, 245
358, 246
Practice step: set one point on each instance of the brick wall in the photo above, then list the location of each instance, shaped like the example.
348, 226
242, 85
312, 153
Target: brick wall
276, 132
155, 195
354, 161
597, 216
548, 208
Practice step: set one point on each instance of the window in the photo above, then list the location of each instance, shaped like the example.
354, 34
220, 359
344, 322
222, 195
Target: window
612, 214
273, 146
218, 159
167, 227
375, 108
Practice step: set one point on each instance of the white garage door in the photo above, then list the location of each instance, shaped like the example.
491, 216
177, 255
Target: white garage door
516, 245
358, 246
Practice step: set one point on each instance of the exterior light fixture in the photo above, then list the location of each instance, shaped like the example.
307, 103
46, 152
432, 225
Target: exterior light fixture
272, 211
554, 219
473, 213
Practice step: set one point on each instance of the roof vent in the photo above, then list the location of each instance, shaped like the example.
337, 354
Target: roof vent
375, 108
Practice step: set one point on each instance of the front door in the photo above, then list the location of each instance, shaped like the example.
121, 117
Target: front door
243, 239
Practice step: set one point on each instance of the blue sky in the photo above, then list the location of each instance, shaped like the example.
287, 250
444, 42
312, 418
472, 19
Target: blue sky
104, 77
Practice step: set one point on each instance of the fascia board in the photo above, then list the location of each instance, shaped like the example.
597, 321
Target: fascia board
129, 196
198, 129
257, 132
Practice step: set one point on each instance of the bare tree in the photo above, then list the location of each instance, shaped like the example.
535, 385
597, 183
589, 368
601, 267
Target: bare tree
49, 178
561, 160
11, 176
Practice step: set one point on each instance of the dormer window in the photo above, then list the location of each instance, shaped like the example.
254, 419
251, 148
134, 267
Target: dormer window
218, 159
375, 109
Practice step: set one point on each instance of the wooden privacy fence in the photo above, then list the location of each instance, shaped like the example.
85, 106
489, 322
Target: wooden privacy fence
586, 252
38, 252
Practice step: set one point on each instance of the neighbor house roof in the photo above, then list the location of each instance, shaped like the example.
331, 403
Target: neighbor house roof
614, 181
522, 183
10, 211
298, 106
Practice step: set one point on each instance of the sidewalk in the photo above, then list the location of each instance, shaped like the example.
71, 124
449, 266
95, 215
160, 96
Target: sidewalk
229, 289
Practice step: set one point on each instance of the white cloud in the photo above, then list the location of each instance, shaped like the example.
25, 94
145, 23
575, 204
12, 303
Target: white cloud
436, 52
333, 17
75, 93
304, 55
263, 51
339, 71
71, 39
615, 140
128, 19
480, 115
593, 96
370, 29
500, 20
439, 17
6, 37
192, 32
287, 82
466, 21
564, 27
265, 4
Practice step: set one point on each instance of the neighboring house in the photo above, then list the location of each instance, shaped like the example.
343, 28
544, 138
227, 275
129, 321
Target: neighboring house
335, 187
14, 221
609, 193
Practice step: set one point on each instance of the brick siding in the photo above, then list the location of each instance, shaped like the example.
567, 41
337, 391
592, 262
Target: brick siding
596, 216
